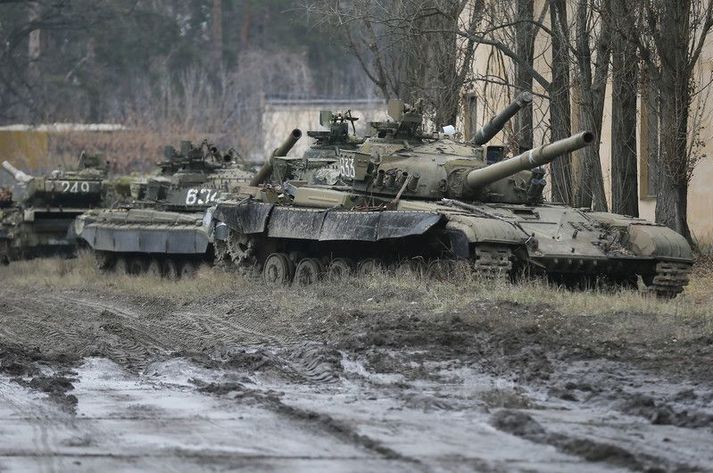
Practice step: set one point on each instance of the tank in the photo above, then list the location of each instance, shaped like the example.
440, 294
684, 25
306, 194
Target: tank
38, 221
425, 199
165, 229
7, 207
317, 162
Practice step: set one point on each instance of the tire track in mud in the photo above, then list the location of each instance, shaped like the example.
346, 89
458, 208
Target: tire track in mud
133, 336
522, 425
315, 421
43, 422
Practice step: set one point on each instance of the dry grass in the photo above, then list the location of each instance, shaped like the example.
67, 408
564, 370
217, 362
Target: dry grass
381, 289
81, 273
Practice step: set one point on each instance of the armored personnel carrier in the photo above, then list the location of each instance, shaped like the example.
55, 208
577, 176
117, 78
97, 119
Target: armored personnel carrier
406, 195
165, 230
37, 222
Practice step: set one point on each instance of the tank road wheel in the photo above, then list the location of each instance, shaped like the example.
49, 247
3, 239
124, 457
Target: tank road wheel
339, 268
368, 266
277, 270
171, 269
103, 260
413, 266
4, 253
309, 271
440, 269
154, 268
187, 270
121, 267
136, 265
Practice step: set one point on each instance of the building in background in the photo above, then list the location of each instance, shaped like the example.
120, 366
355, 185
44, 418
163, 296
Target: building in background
280, 117
43, 148
490, 92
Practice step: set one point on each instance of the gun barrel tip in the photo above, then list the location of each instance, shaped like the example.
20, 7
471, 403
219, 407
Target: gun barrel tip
297, 133
588, 137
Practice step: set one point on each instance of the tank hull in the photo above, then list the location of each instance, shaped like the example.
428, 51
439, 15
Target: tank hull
556, 240
173, 243
32, 233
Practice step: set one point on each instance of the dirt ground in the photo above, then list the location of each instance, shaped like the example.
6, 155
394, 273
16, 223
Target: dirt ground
390, 375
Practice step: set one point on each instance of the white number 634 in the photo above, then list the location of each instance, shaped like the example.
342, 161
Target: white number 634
200, 196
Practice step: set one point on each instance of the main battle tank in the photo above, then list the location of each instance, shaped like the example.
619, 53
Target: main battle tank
403, 195
7, 208
165, 230
38, 221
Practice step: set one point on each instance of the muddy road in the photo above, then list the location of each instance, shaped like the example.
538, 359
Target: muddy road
102, 381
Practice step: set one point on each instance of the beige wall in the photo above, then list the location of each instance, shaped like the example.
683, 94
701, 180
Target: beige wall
40, 149
280, 118
491, 66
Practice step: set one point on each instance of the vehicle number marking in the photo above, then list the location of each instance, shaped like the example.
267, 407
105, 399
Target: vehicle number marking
74, 187
346, 167
201, 196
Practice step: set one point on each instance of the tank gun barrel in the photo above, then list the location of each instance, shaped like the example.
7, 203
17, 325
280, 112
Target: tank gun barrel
497, 123
16, 173
545, 154
282, 150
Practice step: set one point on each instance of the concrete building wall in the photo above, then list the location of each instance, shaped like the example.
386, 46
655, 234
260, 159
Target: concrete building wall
491, 92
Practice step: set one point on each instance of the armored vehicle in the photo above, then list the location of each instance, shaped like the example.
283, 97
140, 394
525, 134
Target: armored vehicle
6, 208
165, 230
38, 221
403, 195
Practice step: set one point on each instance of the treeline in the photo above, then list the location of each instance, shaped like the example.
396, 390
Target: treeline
203, 65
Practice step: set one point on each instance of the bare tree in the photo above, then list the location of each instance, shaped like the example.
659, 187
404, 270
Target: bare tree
409, 48
524, 48
560, 111
216, 18
670, 35
592, 26
624, 185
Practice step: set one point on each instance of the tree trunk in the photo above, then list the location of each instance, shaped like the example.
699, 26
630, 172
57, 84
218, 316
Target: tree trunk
675, 99
217, 33
590, 191
672, 192
446, 93
560, 114
524, 48
34, 45
625, 193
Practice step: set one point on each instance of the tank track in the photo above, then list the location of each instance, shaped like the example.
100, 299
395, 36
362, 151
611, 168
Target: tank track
670, 279
493, 261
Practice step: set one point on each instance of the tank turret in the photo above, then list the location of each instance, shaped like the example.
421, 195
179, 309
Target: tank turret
497, 123
191, 178
264, 173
